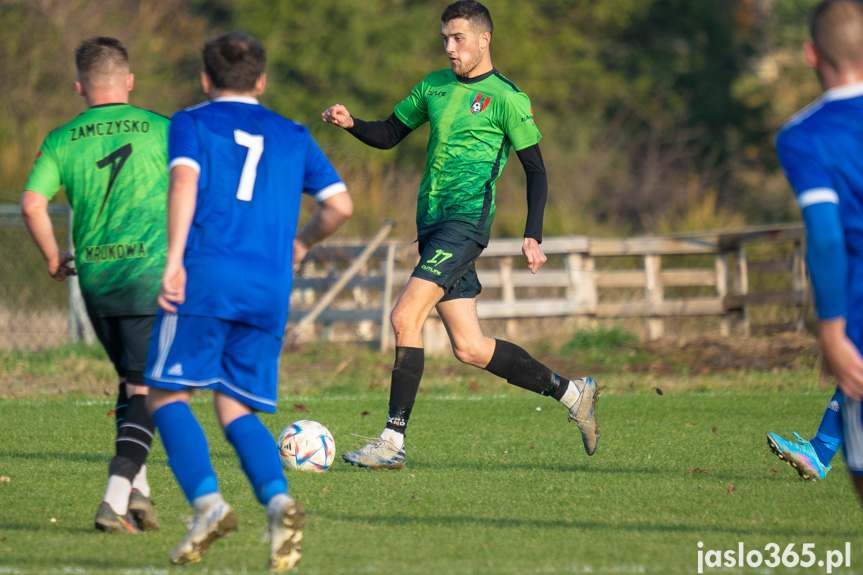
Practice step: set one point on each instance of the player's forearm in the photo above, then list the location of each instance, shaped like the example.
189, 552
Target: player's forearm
830, 331
537, 190
34, 211
182, 197
382, 134
843, 357
328, 217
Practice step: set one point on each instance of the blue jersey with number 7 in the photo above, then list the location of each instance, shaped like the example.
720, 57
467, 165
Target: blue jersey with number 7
253, 166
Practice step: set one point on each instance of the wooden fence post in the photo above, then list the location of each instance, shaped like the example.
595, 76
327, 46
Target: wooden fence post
721, 266
582, 280
655, 294
80, 328
507, 292
798, 272
387, 296
741, 286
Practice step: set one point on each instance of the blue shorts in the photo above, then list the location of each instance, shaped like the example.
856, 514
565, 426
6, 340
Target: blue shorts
852, 431
195, 352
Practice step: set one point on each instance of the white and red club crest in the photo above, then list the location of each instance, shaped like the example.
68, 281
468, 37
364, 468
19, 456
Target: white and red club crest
479, 104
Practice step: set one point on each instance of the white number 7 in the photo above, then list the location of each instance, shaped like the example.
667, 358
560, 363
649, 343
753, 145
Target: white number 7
250, 166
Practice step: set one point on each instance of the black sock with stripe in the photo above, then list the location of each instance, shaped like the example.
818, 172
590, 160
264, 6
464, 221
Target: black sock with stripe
134, 437
407, 374
519, 368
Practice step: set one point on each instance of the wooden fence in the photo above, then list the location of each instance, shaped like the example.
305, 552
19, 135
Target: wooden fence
724, 275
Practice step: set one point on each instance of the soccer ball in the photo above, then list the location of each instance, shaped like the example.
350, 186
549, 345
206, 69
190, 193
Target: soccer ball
306, 446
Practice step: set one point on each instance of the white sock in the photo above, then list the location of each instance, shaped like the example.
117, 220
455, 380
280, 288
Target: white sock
571, 395
206, 501
117, 494
394, 437
140, 482
277, 502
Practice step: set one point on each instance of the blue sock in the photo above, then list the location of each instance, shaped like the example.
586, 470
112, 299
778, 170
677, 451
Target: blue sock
187, 449
259, 456
829, 437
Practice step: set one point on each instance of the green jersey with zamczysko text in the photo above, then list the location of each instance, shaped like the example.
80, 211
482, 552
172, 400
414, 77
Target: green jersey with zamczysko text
112, 162
474, 122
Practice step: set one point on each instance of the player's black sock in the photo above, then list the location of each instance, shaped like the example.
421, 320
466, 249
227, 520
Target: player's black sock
407, 373
122, 405
519, 368
134, 437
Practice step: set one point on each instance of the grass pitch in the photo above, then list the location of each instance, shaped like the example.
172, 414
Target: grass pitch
496, 481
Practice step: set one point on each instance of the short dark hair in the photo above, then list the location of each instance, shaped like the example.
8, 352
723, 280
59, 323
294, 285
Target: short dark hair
99, 55
836, 27
472, 11
234, 61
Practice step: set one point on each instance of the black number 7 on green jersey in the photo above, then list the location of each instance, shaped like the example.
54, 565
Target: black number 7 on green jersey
115, 159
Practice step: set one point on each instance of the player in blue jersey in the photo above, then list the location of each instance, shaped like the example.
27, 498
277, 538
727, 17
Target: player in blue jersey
237, 174
821, 151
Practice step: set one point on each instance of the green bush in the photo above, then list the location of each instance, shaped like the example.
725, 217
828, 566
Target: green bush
600, 340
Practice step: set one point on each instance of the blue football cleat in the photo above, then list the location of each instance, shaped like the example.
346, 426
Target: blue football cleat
800, 455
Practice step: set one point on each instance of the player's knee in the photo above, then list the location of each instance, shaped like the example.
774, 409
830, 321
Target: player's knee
158, 398
467, 353
137, 390
403, 322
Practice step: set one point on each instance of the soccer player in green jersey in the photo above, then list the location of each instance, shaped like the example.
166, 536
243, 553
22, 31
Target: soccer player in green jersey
112, 162
476, 115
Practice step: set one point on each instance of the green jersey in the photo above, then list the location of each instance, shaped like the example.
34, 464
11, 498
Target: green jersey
474, 122
112, 161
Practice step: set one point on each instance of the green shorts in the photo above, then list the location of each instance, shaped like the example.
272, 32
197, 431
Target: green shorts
126, 339
447, 258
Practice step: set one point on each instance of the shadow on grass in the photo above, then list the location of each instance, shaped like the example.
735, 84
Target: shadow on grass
475, 467
62, 456
597, 467
104, 565
460, 520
